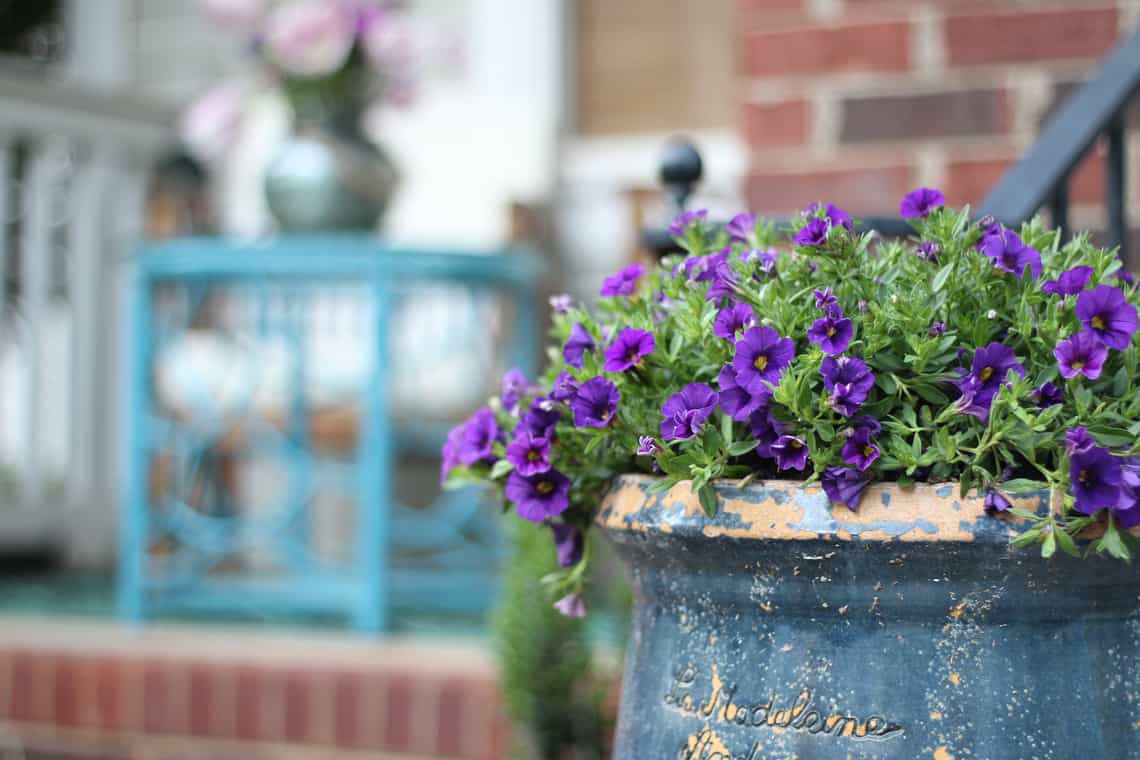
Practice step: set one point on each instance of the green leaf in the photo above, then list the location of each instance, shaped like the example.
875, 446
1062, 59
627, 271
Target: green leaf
1049, 545
501, 468
707, 494
1023, 485
741, 448
1111, 437
1067, 544
941, 277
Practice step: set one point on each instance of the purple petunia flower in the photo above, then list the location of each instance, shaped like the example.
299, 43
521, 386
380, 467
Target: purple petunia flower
1127, 512
791, 452
515, 385
685, 219
928, 250
479, 434
1107, 315
761, 354
995, 501
725, 283
844, 486
1096, 477
571, 606
1078, 439
1047, 394
540, 419
848, 380
564, 387
814, 233
835, 216
919, 203
767, 258
825, 299
622, 283
832, 333
1126, 277
992, 363
989, 367
868, 423
568, 543
595, 403
561, 303
647, 446
450, 452
740, 227
1081, 354
576, 346
766, 429
1070, 282
631, 345
859, 450
936, 329
685, 412
540, 496
733, 320
1010, 253
529, 454
989, 229
740, 401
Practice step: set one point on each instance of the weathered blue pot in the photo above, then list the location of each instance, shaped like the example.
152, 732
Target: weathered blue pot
783, 628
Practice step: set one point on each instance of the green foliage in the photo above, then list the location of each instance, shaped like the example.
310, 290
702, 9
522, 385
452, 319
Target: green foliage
553, 699
918, 321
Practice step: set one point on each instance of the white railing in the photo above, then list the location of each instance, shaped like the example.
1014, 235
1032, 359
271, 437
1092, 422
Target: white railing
73, 167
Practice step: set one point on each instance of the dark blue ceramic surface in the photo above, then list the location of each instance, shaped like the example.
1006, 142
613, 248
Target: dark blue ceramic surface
784, 629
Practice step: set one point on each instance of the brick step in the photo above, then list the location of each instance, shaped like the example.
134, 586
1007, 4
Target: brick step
69, 687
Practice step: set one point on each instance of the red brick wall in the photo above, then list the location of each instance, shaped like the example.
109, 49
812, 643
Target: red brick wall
858, 101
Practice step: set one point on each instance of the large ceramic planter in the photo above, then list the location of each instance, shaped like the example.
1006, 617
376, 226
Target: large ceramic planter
783, 628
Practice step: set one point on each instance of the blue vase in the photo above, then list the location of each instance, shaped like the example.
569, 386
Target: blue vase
784, 627
327, 177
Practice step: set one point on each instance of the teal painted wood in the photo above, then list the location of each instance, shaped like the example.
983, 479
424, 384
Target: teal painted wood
452, 547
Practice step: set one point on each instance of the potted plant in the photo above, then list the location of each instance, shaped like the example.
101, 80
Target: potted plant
824, 458
331, 60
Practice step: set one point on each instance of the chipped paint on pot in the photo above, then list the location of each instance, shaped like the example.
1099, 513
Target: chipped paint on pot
782, 628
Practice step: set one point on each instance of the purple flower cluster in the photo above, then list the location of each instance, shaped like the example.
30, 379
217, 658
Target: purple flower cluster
576, 346
740, 227
1101, 480
628, 349
622, 283
919, 203
471, 442
848, 381
981, 384
833, 331
1107, 315
733, 320
1010, 253
596, 403
686, 219
685, 412
1070, 282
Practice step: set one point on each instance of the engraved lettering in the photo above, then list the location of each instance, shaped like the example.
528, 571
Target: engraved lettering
719, 705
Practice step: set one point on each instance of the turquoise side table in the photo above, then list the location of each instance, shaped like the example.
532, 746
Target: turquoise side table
223, 353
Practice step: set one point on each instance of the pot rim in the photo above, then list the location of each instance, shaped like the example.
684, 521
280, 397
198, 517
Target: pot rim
786, 510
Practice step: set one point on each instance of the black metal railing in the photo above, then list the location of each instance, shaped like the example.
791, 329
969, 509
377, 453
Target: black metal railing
1040, 178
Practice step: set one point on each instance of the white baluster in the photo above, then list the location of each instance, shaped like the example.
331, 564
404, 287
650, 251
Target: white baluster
86, 285
35, 269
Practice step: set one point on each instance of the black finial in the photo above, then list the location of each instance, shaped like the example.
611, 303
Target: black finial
681, 170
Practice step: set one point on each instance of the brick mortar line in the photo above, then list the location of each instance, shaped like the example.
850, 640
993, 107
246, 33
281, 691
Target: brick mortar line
957, 78
781, 22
